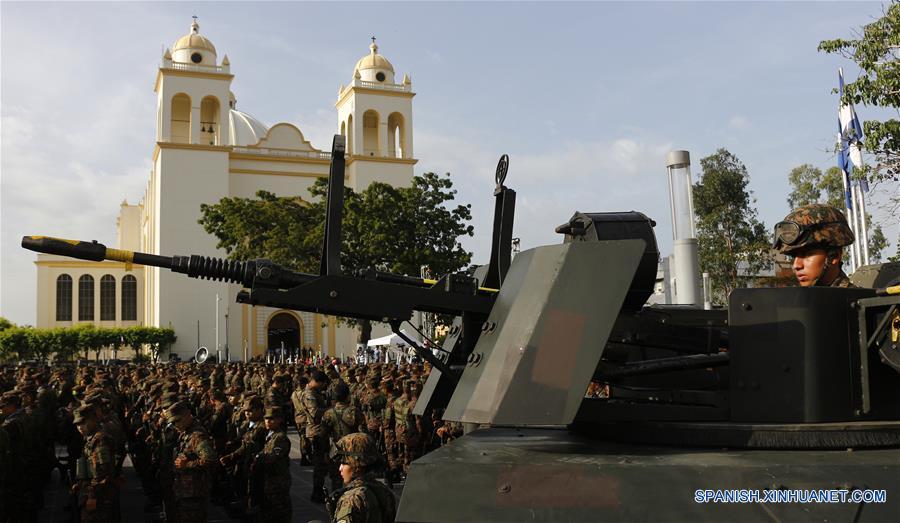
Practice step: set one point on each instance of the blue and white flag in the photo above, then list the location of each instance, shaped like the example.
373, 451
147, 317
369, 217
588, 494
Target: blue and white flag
850, 134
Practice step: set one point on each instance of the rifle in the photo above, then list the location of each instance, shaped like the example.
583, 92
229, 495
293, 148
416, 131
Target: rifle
256, 484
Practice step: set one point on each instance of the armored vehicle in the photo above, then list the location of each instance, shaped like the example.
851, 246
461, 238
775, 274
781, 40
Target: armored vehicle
784, 406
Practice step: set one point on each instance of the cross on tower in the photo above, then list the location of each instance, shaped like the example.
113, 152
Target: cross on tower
373, 39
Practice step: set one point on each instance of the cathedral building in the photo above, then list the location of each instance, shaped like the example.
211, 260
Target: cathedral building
205, 149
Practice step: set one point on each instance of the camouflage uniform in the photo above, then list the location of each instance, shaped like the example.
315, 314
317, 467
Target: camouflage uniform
300, 421
339, 421
193, 479
365, 499
12, 491
815, 226
405, 431
275, 461
98, 495
252, 442
313, 404
388, 427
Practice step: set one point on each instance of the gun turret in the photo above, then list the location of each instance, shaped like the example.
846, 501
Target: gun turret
371, 295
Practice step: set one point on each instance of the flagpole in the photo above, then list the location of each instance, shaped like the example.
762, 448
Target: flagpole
864, 229
854, 189
848, 201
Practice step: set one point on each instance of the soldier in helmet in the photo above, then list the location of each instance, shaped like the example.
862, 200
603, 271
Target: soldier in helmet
814, 236
363, 499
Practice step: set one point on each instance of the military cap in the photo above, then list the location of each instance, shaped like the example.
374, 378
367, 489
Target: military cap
169, 399
83, 413
218, 395
176, 411
233, 391
342, 391
813, 225
253, 402
319, 376
274, 412
357, 450
10, 398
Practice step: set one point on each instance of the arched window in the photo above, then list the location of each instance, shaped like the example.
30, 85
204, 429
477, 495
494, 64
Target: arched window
64, 298
350, 135
181, 119
129, 298
107, 298
396, 139
371, 147
86, 298
209, 121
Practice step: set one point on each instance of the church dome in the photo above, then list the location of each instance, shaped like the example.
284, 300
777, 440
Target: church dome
375, 67
245, 129
194, 48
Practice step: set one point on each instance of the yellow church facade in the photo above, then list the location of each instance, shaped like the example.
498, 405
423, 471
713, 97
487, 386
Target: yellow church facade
205, 149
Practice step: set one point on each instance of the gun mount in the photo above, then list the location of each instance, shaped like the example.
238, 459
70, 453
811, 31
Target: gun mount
784, 379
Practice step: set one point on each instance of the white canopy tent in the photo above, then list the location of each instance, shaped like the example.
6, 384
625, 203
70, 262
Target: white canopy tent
393, 339
392, 346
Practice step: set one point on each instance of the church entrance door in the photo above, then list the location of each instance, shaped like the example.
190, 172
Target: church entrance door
283, 328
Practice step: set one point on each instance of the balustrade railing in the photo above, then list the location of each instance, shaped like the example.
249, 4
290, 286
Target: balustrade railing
384, 86
183, 66
265, 151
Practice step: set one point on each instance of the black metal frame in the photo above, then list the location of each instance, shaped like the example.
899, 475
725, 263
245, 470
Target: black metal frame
868, 341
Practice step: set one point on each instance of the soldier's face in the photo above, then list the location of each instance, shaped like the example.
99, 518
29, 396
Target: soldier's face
87, 427
809, 265
347, 473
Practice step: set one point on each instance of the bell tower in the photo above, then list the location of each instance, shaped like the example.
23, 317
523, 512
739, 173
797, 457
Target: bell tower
190, 168
193, 92
375, 114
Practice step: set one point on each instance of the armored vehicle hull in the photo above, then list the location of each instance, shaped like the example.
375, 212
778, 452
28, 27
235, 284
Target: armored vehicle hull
554, 474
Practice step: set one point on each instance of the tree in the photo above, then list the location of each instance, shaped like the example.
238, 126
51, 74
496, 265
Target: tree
810, 185
733, 243
875, 52
5, 324
395, 229
15, 343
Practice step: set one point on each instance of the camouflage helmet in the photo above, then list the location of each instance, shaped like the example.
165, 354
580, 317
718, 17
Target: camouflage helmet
812, 225
357, 450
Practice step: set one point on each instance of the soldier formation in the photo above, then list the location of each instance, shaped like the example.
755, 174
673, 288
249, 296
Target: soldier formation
198, 434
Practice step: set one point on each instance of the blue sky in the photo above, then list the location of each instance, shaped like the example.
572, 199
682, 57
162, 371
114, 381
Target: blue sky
586, 98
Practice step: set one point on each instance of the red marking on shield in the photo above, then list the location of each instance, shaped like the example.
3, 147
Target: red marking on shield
558, 348
552, 486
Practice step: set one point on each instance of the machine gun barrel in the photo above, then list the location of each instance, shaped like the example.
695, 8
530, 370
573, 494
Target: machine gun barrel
203, 267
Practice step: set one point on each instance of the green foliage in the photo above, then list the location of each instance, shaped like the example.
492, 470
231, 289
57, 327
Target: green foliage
66, 343
5, 324
896, 256
394, 229
810, 185
875, 52
733, 243
15, 343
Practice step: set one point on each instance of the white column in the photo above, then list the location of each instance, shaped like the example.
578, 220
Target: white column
382, 136
195, 124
